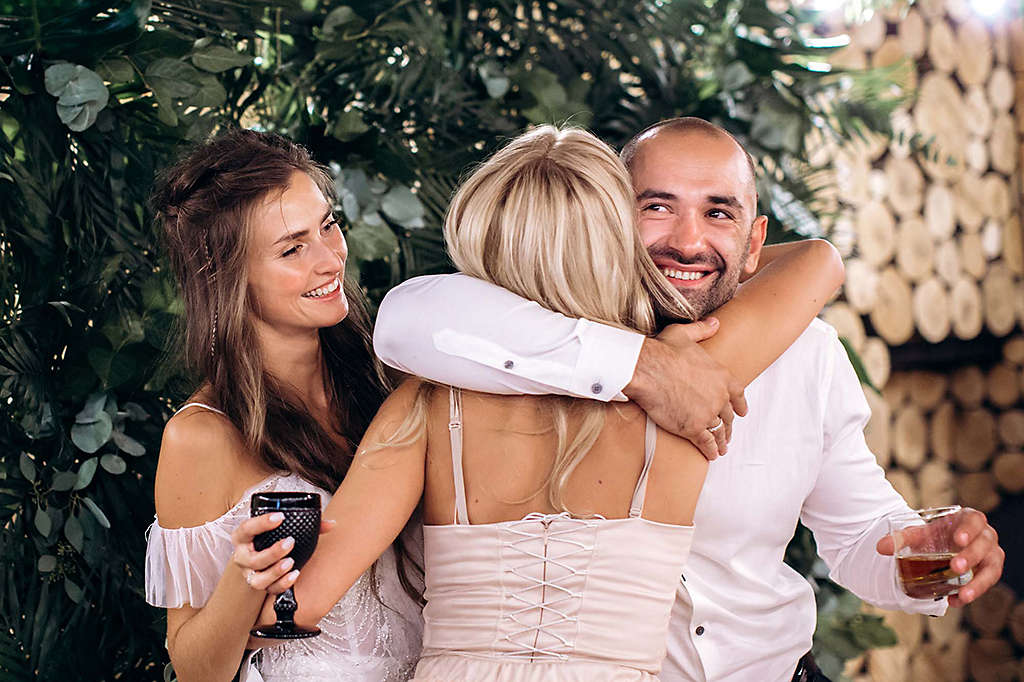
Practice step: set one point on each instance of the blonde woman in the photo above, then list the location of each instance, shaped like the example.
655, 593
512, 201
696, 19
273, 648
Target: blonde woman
555, 529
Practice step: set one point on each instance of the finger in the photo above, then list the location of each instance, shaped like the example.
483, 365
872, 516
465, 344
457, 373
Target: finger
726, 415
327, 525
284, 582
263, 580
701, 329
983, 545
971, 524
277, 551
986, 574
250, 528
737, 399
706, 443
719, 435
886, 546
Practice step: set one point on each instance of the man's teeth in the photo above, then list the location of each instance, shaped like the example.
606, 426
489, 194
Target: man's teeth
323, 291
680, 274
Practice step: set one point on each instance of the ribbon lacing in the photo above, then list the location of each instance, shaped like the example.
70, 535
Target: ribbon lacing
537, 620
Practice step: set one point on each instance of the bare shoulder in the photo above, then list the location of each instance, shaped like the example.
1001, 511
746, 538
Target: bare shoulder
676, 478
198, 468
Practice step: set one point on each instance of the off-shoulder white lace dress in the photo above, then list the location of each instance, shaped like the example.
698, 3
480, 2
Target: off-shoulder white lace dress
362, 640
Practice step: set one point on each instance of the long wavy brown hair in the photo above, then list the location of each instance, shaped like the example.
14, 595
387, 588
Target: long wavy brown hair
204, 204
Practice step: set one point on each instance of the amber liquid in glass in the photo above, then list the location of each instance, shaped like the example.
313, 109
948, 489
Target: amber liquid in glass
928, 576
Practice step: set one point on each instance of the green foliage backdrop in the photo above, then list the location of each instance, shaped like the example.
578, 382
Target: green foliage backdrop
400, 97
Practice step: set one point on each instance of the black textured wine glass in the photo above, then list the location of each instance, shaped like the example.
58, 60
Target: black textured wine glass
302, 522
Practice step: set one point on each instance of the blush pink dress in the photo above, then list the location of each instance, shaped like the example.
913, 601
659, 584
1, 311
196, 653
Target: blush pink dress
549, 597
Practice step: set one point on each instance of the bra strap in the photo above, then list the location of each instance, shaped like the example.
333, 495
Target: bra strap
211, 408
455, 432
636, 507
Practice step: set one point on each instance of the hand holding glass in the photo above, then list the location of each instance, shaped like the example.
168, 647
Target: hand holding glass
301, 522
923, 546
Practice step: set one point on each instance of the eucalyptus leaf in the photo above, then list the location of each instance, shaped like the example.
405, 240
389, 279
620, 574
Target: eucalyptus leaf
126, 443
57, 77
113, 464
97, 512
218, 58
94, 406
86, 473
47, 563
401, 205
81, 94
736, 75
135, 412
27, 467
43, 522
172, 78
371, 243
73, 591
349, 125
91, 437
118, 70
210, 93
341, 17
495, 79
64, 481
73, 532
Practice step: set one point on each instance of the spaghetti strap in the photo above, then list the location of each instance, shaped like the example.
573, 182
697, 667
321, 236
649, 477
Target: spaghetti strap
211, 408
636, 506
455, 432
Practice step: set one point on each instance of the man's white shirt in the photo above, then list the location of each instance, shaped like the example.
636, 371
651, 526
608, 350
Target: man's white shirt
741, 614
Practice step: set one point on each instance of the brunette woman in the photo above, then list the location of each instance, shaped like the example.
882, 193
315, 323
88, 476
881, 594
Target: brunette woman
286, 385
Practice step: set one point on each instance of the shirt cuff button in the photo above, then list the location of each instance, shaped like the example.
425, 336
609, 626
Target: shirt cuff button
509, 364
596, 389
699, 630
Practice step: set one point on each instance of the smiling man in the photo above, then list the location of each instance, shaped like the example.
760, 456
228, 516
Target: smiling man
741, 613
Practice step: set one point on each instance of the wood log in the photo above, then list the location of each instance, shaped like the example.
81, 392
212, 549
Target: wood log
902, 132
909, 627
1011, 428
996, 192
850, 57
968, 386
940, 211
947, 263
936, 484
991, 238
978, 490
975, 439
852, 171
959, 10
1013, 245
902, 72
878, 185
990, 612
1008, 468
915, 252
974, 63
967, 308
910, 436
941, 432
1000, 294
1001, 89
1016, 30
889, 664
897, 390
904, 483
1013, 351
892, 316
847, 323
972, 256
943, 629
875, 356
942, 47
912, 34
1016, 622
978, 110
1000, 44
1003, 387
954, 658
931, 309
926, 389
970, 212
1002, 145
906, 186
877, 431
869, 35
939, 112
932, 10
991, 660
976, 154
861, 285
876, 233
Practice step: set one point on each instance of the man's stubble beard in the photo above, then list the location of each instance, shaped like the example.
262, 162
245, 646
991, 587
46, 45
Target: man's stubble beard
707, 301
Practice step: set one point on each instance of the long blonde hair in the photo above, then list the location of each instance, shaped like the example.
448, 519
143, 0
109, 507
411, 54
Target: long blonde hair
552, 218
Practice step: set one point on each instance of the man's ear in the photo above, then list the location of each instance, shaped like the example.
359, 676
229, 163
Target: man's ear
758, 233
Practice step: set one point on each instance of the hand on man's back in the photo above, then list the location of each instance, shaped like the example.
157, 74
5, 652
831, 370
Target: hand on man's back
684, 390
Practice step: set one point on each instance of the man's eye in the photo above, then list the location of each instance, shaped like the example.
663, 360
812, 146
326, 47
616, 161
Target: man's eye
716, 213
657, 208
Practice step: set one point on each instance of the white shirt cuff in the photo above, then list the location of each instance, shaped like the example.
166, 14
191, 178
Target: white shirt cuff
607, 360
